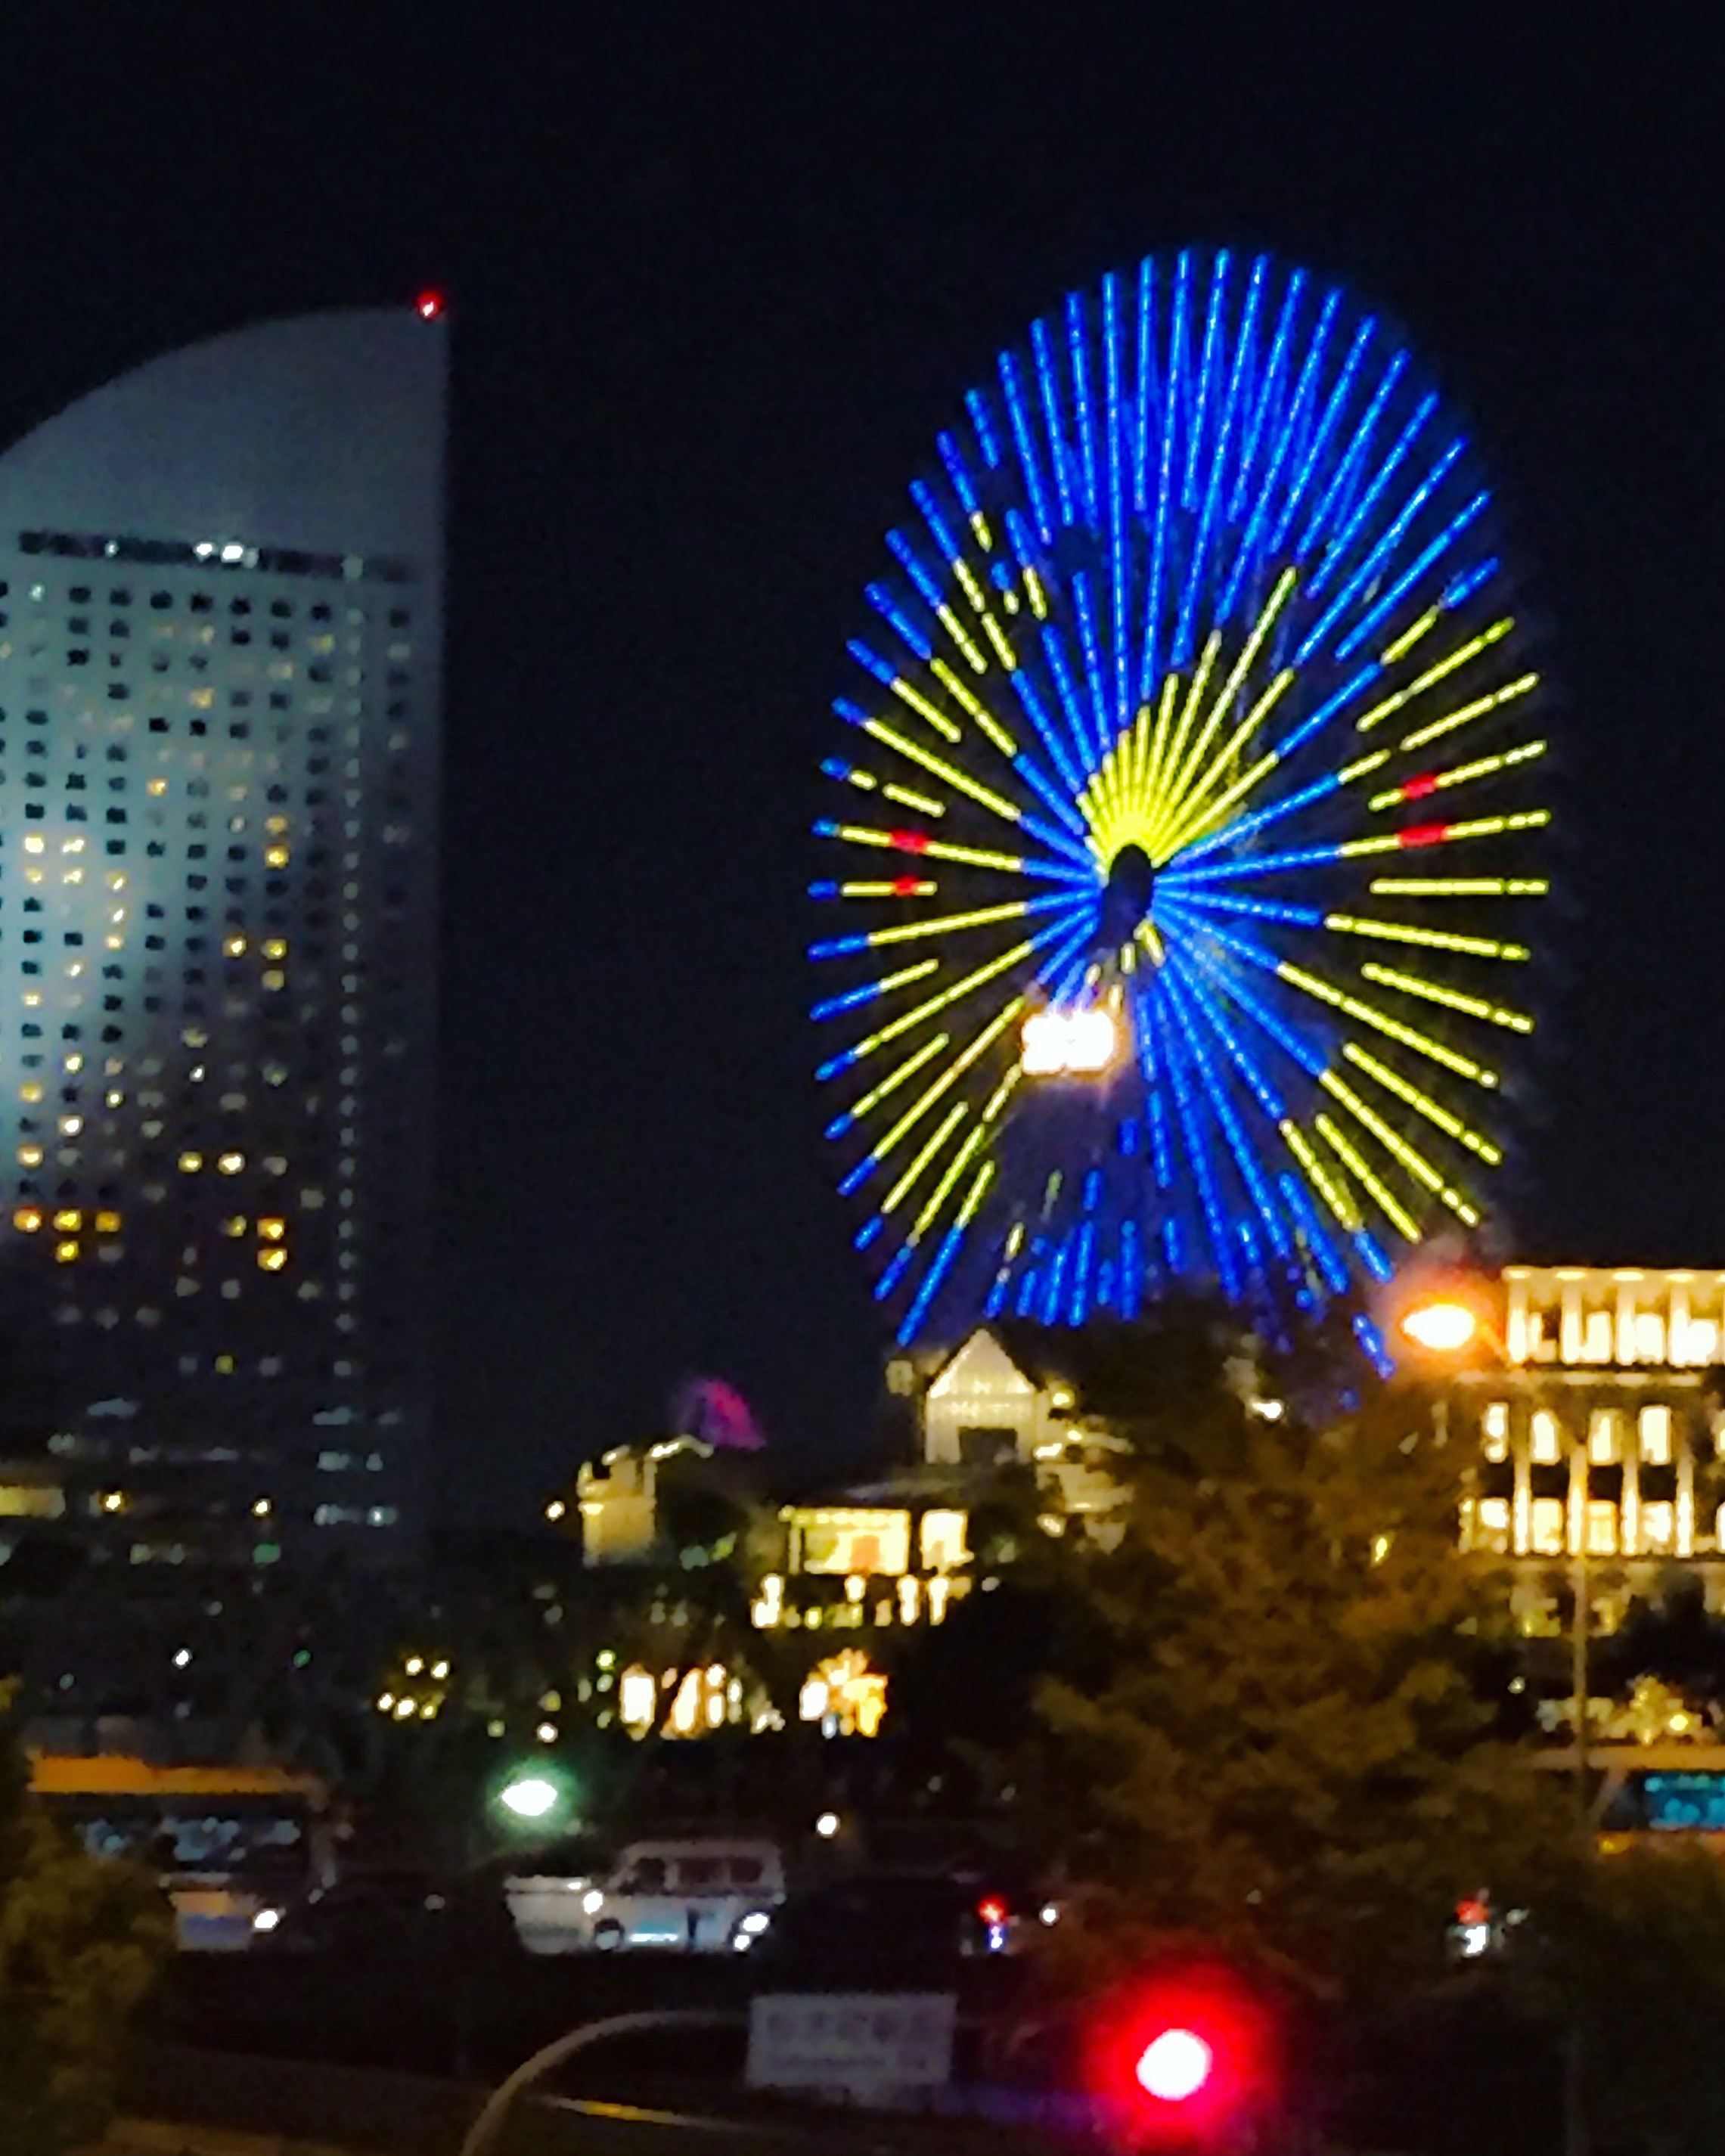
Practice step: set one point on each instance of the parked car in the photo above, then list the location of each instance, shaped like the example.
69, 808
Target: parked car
699, 1896
875, 1929
548, 1891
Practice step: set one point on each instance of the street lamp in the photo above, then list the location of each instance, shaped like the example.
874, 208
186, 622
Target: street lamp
1441, 1327
532, 1797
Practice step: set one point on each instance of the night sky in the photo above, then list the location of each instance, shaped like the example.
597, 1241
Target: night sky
716, 275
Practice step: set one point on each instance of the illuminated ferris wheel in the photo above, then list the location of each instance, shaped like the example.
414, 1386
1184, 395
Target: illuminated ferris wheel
1185, 834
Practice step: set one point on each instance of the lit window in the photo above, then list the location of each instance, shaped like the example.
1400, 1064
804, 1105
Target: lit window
1494, 1525
230, 1164
1602, 1437
1544, 1445
234, 946
273, 1259
1601, 1527
65, 1252
276, 857
1656, 1425
27, 1220
1548, 1527
69, 1222
29, 1156
107, 1224
190, 1162
272, 1231
1658, 1528
1494, 1430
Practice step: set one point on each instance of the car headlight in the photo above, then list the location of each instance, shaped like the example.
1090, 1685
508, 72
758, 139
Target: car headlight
592, 1901
754, 1923
266, 1920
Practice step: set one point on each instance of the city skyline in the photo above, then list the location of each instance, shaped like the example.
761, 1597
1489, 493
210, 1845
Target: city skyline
699, 341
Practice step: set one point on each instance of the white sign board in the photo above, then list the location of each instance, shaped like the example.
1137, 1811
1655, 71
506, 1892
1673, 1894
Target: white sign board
869, 2046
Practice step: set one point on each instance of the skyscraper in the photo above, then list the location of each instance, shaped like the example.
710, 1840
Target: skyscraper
220, 609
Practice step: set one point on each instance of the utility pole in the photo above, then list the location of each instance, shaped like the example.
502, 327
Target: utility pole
1575, 2142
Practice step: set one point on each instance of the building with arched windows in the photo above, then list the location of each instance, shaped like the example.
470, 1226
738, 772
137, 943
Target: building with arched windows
220, 628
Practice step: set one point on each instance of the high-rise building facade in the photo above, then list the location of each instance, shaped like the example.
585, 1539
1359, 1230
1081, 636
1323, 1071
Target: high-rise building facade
220, 617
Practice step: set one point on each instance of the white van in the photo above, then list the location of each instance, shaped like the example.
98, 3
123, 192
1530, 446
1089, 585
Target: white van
700, 1895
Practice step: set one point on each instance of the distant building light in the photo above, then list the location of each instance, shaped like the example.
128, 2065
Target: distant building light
429, 306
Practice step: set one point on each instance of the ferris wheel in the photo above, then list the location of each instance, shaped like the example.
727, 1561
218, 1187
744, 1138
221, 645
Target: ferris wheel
1186, 820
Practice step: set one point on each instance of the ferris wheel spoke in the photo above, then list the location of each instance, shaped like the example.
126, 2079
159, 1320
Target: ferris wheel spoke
1430, 1109
1364, 575
944, 1257
1200, 555
1198, 1160
1181, 769
1251, 1169
1080, 401
1317, 1067
1404, 932
1462, 774
932, 1093
1462, 887
1117, 429
1249, 554
1323, 433
939, 924
1435, 991
1372, 622
1464, 714
848, 1118
1366, 506
1348, 464
979, 977
1095, 673
1448, 665
1270, 391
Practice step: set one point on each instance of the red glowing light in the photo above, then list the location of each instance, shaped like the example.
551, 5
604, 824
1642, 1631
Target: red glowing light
1188, 2051
1173, 2066
909, 842
905, 887
992, 1911
1416, 789
1422, 834
429, 306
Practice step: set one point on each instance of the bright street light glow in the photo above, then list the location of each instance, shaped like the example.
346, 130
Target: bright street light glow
1444, 1328
1080, 1044
532, 1797
1174, 2065
827, 1825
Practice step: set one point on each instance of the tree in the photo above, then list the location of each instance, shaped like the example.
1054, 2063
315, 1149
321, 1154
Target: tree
1630, 1958
1294, 1742
80, 1941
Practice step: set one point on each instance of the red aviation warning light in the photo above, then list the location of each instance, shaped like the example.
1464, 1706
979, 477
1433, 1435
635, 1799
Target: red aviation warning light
430, 306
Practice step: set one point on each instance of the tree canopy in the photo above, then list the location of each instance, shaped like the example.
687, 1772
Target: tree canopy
1295, 1742
80, 1940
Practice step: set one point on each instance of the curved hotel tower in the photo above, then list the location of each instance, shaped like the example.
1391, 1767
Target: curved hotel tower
220, 581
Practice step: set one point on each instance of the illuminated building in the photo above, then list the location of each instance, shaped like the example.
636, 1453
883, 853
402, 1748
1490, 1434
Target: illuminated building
220, 626
1600, 1428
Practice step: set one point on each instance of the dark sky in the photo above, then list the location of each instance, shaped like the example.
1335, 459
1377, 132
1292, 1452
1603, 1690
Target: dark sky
718, 275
